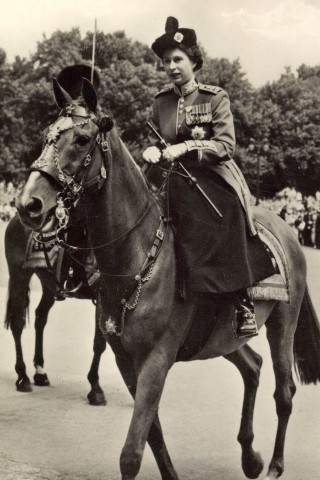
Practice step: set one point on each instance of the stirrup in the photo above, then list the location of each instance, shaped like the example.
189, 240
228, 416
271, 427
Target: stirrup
246, 323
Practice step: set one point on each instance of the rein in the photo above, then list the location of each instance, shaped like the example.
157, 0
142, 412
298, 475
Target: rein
73, 188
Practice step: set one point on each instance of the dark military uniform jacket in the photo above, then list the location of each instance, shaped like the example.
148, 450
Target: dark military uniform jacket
200, 116
215, 254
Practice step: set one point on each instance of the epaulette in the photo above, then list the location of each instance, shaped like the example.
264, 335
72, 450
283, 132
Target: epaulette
166, 89
209, 88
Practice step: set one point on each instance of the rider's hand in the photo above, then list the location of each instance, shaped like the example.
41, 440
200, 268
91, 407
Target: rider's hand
174, 151
151, 154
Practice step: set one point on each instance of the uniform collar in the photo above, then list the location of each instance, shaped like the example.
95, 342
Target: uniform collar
186, 89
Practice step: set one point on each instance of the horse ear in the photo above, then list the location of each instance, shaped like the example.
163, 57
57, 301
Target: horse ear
89, 95
62, 97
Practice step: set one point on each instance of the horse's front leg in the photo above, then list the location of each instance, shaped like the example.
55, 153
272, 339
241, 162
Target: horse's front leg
18, 302
249, 364
96, 395
47, 300
151, 375
155, 437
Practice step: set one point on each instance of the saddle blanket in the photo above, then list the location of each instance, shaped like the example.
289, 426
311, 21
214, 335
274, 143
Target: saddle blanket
35, 257
275, 287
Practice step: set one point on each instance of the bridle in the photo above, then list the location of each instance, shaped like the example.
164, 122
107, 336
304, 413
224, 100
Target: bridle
84, 177
74, 185
78, 183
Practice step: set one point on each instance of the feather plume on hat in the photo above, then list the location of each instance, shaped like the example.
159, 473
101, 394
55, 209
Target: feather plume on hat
172, 25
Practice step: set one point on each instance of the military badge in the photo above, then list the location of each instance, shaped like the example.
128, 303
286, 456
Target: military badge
200, 113
198, 133
178, 37
111, 326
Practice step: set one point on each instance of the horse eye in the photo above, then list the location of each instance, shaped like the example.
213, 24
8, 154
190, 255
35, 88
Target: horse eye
82, 140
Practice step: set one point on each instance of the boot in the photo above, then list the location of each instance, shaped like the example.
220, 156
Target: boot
246, 320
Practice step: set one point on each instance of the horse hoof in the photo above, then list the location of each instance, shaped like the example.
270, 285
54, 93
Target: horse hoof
275, 470
97, 398
41, 380
252, 465
23, 385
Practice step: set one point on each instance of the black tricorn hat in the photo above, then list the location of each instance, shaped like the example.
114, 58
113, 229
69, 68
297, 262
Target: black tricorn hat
70, 79
174, 37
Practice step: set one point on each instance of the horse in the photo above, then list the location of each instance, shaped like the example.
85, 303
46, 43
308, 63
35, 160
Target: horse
16, 240
141, 312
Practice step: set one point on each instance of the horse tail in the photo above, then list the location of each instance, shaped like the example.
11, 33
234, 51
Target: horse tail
306, 346
11, 307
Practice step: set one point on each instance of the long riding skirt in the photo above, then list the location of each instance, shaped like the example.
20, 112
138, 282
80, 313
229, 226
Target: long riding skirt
216, 254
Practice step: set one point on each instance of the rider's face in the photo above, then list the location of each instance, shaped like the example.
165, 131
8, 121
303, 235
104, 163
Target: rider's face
178, 66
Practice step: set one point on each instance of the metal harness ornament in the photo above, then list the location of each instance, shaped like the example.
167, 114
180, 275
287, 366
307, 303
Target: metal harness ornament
72, 189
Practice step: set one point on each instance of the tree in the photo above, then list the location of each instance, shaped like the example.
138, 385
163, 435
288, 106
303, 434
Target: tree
286, 111
293, 120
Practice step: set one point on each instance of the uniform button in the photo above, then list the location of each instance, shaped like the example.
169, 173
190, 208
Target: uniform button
182, 100
179, 126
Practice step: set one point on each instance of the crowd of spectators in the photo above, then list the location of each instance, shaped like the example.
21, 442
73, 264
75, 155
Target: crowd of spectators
8, 194
301, 212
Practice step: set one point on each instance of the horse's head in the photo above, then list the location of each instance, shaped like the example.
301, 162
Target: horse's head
73, 159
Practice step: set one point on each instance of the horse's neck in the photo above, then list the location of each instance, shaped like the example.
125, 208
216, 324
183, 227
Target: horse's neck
124, 214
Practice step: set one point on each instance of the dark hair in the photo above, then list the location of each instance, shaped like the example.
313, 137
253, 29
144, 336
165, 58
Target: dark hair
194, 54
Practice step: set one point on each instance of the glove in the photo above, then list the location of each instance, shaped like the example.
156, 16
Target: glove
151, 154
174, 151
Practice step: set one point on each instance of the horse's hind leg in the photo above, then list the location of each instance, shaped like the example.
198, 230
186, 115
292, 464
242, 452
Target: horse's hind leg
155, 436
280, 332
17, 306
96, 395
42, 311
249, 364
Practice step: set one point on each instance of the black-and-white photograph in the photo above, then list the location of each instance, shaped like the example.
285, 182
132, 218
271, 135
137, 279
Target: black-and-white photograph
159, 237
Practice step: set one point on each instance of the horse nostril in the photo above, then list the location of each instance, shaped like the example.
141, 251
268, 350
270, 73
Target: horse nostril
34, 207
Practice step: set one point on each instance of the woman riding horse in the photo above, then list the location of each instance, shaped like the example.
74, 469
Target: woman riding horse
219, 250
145, 321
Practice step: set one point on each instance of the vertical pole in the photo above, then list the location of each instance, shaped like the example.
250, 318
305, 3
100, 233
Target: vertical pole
258, 178
93, 48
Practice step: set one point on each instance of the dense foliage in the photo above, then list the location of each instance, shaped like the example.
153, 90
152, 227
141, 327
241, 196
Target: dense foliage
286, 113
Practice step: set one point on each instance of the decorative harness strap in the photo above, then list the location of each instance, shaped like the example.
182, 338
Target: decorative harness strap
109, 326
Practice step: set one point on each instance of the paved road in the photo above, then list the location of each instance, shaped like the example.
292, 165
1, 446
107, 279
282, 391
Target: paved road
53, 434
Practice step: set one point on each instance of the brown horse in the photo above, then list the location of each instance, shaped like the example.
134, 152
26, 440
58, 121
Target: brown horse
16, 240
148, 324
